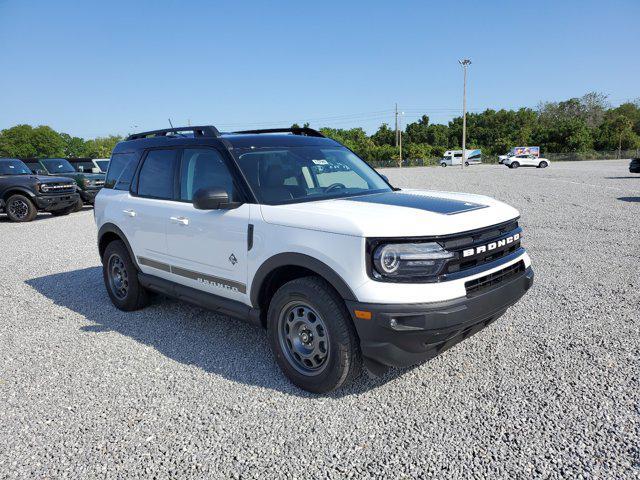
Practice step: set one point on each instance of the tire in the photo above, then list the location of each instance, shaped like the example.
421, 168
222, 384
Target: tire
543, 165
78, 205
20, 209
514, 165
443, 164
63, 211
466, 164
121, 278
309, 310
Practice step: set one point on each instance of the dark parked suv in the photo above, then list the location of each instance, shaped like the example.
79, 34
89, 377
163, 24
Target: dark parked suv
89, 184
634, 166
23, 194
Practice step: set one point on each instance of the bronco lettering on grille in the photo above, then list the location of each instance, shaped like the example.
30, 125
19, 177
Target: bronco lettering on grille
469, 252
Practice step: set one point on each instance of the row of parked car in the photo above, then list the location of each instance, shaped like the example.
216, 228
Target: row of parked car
56, 185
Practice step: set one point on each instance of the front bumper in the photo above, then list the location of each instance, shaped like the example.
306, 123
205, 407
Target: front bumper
89, 196
634, 169
404, 335
55, 202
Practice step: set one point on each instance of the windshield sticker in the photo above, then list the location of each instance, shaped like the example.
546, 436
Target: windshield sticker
320, 162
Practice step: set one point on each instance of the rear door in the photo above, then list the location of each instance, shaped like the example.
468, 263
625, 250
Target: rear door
208, 248
145, 210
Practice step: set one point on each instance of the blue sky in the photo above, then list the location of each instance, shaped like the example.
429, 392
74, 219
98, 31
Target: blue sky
95, 68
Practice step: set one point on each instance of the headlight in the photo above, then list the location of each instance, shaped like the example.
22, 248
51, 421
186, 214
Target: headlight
409, 260
86, 182
44, 188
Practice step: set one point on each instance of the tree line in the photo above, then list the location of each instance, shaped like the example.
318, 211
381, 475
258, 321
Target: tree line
577, 125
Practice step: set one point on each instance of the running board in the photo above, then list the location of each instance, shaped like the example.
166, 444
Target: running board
202, 299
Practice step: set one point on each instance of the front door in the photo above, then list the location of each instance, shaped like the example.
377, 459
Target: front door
208, 248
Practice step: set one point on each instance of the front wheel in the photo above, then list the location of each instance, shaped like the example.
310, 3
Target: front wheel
78, 205
514, 165
443, 164
466, 164
20, 209
312, 336
543, 165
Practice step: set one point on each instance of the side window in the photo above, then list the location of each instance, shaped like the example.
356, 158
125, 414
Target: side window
204, 168
156, 178
121, 170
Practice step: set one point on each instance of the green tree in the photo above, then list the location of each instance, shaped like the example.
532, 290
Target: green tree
384, 136
25, 141
74, 147
101, 147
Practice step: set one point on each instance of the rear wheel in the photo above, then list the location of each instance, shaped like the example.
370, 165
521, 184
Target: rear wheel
514, 165
466, 164
20, 209
312, 335
121, 278
443, 164
543, 164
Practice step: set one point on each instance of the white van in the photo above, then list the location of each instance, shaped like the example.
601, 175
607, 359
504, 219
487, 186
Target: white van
454, 157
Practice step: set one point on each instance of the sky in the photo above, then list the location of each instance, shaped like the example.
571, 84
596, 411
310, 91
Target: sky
91, 68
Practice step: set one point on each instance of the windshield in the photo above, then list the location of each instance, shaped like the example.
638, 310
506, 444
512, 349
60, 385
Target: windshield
103, 165
299, 174
58, 165
13, 167
84, 166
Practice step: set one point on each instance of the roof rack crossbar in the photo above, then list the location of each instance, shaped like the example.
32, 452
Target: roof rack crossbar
306, 131
199, 131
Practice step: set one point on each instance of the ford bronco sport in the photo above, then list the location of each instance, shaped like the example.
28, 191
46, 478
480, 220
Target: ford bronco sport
23, 194
292, 231
88, 184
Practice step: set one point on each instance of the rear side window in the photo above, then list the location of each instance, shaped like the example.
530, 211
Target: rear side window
121, 170
157, 175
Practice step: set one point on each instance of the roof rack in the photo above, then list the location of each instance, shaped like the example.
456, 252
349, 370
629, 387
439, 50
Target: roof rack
306, 131
201, 131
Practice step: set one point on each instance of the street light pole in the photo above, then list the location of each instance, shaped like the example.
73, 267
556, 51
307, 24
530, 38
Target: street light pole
465, 63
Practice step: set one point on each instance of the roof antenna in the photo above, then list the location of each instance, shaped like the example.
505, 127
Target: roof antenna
170, 123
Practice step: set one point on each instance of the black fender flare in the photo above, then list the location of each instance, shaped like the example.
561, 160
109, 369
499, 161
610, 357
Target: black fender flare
114, 229
298, 260
18, 189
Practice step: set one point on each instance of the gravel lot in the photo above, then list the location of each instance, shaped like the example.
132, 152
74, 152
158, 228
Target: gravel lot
550, 390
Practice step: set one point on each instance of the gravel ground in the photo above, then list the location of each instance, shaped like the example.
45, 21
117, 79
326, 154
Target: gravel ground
550, 390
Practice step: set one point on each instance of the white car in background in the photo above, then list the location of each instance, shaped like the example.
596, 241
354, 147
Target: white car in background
516, 161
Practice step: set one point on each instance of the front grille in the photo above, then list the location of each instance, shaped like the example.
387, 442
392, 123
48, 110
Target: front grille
478, 285
499, 240
59, 188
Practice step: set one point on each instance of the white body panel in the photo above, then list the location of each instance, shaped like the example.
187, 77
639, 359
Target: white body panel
525, 160
332, 231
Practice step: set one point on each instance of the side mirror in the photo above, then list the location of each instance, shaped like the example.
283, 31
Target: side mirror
40, 172
211, 198
95, 170
385, 178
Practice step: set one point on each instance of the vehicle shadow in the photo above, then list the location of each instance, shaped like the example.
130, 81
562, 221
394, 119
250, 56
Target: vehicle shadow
630, 199
623, 178
215, 343
41, 216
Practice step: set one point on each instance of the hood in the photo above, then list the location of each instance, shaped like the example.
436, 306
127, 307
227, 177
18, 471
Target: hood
49, 179
406, 213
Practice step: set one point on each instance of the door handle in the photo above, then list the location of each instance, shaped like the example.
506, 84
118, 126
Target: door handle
130, 213
180, 220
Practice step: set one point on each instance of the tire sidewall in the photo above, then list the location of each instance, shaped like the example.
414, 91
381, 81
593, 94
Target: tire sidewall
333, 313
135, 293
31, 209
543, 165
515, 165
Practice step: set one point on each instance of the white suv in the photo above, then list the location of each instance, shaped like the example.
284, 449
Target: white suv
525, 160
293, 232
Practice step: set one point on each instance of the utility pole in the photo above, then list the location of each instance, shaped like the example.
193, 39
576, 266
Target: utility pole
465, 63
396, 141
400, 141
